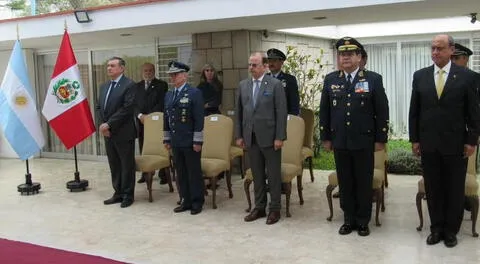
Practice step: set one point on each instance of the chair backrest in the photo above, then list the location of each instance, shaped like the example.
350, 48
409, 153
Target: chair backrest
153, 135
292, 147
217, 137
380, 157
309, 119
471, 166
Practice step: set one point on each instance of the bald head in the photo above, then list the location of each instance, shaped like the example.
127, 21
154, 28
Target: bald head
443, 47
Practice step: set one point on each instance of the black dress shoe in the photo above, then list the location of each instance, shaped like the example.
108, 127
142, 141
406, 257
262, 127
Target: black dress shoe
195, 211
346, 229
112, 200
363, 230
142, 179
181, 208
450, 240
434, 238
126, 203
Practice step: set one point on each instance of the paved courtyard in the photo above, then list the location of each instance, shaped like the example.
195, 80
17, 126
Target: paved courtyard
152, 233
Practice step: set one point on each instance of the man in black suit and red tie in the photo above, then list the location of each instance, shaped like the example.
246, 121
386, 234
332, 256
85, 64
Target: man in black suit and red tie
150, 98
444, 128
115, 109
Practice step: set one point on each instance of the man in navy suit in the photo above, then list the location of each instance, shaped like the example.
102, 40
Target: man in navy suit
115, 109
276, 58
444, 128
183, 133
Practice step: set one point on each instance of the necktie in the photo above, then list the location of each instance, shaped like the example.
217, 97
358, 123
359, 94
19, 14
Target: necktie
112, 85
349, 79
175, 94
147, 84
440, 82
256, 87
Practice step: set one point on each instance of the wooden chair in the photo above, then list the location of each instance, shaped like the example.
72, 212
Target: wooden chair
154, 155
379, 172
307, 149
291, 163
217, 131
471, 194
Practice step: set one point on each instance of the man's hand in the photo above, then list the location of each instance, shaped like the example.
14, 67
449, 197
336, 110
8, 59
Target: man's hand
277, 144
416, 149
240, 143
197, 147
327, 145
468, 150
379, 146
104, 129
167, 146
142, 119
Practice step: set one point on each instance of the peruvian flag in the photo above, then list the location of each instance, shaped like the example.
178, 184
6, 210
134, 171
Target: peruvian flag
66, 106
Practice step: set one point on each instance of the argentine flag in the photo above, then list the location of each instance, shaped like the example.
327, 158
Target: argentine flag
18, 112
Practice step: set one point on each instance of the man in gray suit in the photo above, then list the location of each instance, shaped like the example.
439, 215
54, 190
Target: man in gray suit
261, 128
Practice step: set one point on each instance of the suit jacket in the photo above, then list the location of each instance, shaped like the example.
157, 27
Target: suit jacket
444, 124
183, 118
354, 116
289, 83
152, 99
268, 119
118, 112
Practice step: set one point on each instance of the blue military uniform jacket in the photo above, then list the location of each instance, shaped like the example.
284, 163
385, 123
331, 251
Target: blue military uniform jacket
354, 116
183, 117
289, 83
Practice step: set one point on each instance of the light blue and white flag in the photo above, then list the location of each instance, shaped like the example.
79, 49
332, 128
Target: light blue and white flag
19, 118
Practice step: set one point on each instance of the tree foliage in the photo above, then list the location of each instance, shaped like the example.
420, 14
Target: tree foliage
49, 6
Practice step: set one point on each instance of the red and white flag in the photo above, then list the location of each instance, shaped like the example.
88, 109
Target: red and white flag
66, 106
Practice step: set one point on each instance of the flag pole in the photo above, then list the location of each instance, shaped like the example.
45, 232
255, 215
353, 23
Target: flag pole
29, 187
77, 184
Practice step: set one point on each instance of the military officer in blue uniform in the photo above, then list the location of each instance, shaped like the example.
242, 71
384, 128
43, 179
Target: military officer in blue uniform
289, 82
183, 133
354, 124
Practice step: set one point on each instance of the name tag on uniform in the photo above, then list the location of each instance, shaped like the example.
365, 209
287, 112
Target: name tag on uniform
184, 100
362, 87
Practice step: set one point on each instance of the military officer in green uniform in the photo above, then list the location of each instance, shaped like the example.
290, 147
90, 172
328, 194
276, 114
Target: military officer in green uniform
354, 124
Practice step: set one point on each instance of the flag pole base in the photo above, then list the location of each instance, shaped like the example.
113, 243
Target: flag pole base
29, 187
77, 184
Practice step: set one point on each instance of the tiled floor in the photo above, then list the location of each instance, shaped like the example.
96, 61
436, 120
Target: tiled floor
152, 233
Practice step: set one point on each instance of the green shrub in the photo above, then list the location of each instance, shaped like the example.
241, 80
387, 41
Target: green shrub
324, 160
401, 161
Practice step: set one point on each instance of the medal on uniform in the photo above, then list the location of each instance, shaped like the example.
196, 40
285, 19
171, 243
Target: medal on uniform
184, 100
334, 102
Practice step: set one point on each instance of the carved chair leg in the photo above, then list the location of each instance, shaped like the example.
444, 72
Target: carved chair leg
300, 188
418, 200
229, 183
213, 186
310, 167
169, 179
288, 192
246, 187
474, 202
386, 174
149, 179
330, 188
378, 202
383, 198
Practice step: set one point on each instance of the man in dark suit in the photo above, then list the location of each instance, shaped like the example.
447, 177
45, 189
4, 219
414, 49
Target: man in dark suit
150, 98
276, 59
444, 127
115, 109
261, 128
354, 123
183, 133
461, 56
